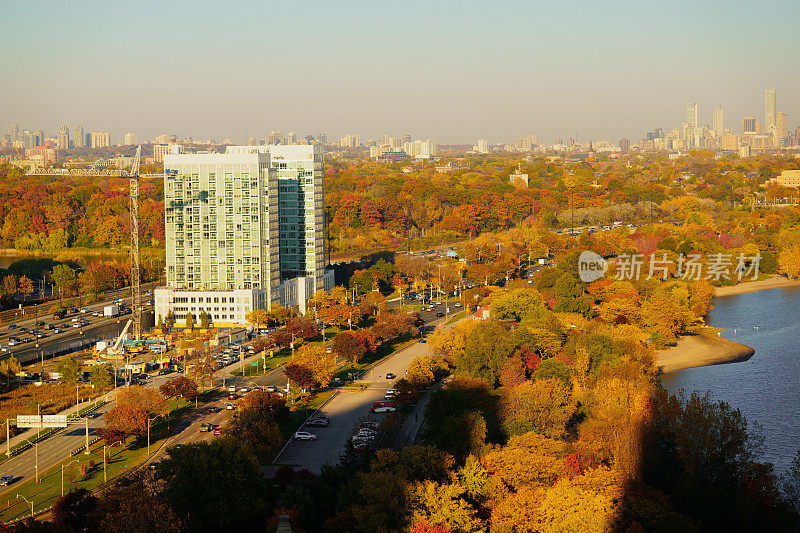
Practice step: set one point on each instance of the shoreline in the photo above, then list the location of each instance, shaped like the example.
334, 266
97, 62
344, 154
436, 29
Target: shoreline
702, 349
707, 347
774, 282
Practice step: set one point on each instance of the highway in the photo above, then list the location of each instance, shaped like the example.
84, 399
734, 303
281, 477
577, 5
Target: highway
69, 337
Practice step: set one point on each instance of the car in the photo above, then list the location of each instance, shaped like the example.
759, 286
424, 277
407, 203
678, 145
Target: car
13, 341
64, 326
231, 396
12, 326
232, 388
272, 388
56, 330
304, 435
84, 310
439, 314
48, 326
93, 414
390, 375
164, 371
217, 431
319, 422
6, 480
205, 427
244, 390
39, 323
76, 324
154, 465
214, 409
41, 335
230, 406
23, 330
387, 406
457, 304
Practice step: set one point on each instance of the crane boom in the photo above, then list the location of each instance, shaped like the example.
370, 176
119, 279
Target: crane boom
136, 286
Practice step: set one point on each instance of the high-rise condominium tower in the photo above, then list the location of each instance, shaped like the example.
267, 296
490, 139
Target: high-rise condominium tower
769, 110
717, 121
78, 137
691, 115
63, 137
244, 230
749, 125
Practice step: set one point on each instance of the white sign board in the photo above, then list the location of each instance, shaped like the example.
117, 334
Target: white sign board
54, 421
29, 421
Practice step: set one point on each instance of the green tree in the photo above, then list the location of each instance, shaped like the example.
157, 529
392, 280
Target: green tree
215, 486
205, 319
169, 321
102, 376
189, 321
64, 279
69, 367
487, 349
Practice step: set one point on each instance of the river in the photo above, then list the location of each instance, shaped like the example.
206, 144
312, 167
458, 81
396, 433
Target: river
766, 387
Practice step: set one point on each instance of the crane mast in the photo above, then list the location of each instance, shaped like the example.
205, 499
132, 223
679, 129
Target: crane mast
136, 285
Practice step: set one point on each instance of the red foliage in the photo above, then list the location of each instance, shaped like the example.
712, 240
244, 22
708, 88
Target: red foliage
572, 465
424, 527
530, 358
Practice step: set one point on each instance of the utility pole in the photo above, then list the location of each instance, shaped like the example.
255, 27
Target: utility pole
86, 451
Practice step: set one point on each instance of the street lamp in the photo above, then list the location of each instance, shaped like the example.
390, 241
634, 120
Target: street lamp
26, 499
62, 474
148, 431
36, 453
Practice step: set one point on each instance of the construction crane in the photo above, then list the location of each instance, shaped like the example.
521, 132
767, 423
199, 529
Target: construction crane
136, 277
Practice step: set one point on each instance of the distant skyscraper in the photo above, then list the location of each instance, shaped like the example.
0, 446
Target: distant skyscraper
749, 125
769, 110
101, 139
781, 129
130, 139
624, 145
691, 115
13, 131
291, 138
78, 137
717, 122
483, 146
63, 137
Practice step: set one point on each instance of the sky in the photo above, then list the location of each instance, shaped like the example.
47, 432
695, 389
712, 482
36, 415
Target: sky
449, 70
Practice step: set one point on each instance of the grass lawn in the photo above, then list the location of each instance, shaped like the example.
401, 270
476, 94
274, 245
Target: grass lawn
121, 460
281, 357
45, 493
458, 316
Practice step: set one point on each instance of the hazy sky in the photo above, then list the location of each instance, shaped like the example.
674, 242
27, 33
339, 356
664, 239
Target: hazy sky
453, 71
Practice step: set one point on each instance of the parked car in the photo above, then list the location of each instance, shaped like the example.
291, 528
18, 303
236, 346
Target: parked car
304, 435
6, 480
387, 406
319, 422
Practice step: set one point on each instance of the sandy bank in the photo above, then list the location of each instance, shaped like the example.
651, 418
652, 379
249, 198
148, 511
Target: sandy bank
703, 349
775, 282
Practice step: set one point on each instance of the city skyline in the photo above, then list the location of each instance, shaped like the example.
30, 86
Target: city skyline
470, 71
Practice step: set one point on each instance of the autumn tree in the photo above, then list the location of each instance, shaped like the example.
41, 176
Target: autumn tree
352, 345
299, 375
133, 407
789, 261
317, 359
181, 387
102, 376
69, 367
257, 318
257, 424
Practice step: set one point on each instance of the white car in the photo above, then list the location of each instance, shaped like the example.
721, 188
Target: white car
230, 407
84, 310
305, 435
232, 388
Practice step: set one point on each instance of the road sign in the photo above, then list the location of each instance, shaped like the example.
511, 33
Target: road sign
29, 421
54, 421
254, 364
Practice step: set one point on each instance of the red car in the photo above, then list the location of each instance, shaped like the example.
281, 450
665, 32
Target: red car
217, 431
231, 396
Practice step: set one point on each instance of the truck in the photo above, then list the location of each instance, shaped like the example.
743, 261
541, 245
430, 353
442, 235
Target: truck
111, 311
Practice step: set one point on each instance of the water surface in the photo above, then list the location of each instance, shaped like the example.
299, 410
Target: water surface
767, 387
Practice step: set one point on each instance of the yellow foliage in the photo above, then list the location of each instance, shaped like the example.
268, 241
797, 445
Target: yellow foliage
321, 364
789, 261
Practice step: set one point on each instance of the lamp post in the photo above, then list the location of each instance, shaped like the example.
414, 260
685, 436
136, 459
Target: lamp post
36, 453
62, 474
26, 499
